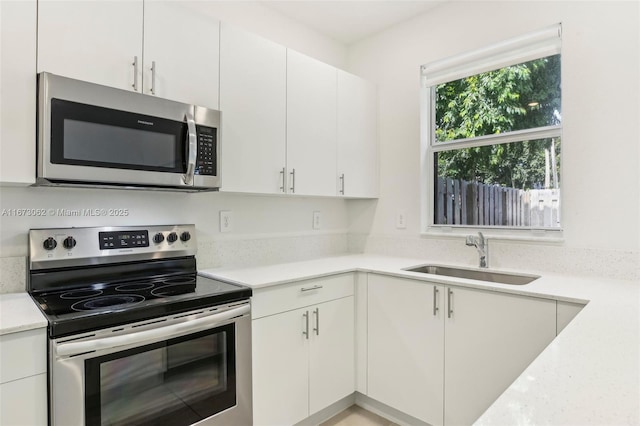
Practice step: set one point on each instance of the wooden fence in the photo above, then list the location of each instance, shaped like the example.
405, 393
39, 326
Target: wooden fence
459, 202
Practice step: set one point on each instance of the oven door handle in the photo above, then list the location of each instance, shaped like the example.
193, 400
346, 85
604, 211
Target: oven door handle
147, 336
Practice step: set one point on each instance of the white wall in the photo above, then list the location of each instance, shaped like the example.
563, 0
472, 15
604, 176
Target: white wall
260, 19
600, 83
255, 217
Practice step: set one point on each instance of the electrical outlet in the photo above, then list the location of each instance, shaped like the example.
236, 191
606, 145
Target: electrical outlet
226, 222
401, 219
316, 220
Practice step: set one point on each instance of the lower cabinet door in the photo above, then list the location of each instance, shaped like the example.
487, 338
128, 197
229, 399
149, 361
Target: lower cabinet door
23, 402
405, 346
331, 353
490, 338
280, 368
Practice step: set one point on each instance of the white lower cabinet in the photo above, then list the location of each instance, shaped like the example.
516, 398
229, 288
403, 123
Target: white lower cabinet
23, 378
303, 358
443, 354
280, 369
24, 402
565, 313
489, 339
405, 354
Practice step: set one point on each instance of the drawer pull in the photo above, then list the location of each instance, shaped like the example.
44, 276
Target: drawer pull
315, 287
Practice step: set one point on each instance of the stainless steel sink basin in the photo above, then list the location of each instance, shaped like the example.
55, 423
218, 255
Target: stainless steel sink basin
475, 274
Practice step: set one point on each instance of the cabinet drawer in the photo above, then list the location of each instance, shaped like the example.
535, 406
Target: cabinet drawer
271, 300
24, 402
23, 354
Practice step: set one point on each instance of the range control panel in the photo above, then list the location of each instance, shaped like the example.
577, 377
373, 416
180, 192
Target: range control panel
62, 247
206, 159
125, 239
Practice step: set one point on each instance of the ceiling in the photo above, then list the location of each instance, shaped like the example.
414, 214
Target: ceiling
348, 21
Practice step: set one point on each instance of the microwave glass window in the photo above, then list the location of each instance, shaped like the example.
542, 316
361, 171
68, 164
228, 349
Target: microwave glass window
86, 141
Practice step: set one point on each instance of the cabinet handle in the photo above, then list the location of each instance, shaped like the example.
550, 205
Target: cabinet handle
306, 320
282, 172
153, 77
315, 287
342, 184
293, 181
316, 311
450, 294
435, 300
135, 73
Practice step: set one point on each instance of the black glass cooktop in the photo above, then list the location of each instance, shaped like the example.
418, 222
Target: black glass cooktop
101, 305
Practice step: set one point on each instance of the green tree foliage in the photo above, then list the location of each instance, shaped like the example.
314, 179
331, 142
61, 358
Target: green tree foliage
513, 98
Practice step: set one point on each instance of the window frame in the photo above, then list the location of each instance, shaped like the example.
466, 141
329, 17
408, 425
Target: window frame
539, 44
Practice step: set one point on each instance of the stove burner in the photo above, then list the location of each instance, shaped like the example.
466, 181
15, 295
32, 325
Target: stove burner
173, 290
105, 302
134, 287
80, 294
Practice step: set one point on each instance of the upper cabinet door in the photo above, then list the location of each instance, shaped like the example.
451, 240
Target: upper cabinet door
253, 78
184, 45
311, 125
94, 41
357, 137
18, 94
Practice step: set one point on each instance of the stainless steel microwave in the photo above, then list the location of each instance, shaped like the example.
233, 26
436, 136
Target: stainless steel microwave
93, 135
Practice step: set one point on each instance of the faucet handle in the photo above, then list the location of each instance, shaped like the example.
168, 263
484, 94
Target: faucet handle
471, 240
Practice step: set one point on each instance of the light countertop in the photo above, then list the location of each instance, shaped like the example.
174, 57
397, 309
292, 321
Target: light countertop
18, 312
588, 375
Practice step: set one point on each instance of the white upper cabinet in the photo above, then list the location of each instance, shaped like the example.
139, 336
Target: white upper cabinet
253, 78
117, 43
357, 137
95, 41
311, 125
18, 92
181, 53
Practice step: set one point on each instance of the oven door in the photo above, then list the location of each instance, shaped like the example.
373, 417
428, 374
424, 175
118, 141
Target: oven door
182, 370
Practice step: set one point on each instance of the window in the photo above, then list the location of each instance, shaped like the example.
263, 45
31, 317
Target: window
492, 123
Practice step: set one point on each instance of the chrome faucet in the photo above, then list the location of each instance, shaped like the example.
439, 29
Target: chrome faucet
481, 245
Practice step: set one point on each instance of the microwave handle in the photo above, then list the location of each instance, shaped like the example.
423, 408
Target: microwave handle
192, 148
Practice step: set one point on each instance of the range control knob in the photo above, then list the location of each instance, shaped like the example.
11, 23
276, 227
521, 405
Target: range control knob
172, 237
158, 238
185, 236
49, 244
69, 243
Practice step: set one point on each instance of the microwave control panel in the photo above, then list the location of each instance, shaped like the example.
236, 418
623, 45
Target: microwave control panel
206, 159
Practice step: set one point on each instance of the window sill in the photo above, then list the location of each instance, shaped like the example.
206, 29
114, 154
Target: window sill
522, 235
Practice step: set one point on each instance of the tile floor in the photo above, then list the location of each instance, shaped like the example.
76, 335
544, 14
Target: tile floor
357, 416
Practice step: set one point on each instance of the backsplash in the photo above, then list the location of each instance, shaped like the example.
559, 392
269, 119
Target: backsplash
213, 254
617, 264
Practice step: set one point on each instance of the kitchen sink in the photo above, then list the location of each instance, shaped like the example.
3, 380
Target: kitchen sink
475, 274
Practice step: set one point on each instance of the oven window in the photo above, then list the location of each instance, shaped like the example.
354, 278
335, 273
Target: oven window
88, 135
177, 382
